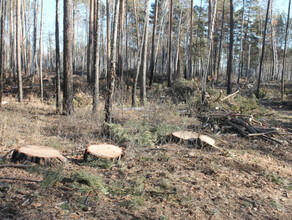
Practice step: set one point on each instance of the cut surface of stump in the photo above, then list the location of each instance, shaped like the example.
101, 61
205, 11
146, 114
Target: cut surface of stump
185, 135
38, 154
106, 151
207, 140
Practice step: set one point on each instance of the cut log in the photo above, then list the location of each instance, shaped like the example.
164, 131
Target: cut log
38, 154
185, 136
106, 151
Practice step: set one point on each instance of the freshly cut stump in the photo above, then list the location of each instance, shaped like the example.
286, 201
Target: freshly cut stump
185, 136
38, 154
106, 151
207, 140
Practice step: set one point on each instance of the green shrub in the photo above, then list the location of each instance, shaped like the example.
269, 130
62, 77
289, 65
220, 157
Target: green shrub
140, 133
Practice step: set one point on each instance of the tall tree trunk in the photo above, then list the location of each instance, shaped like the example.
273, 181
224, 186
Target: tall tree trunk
90, 42
58, 78
176, 63
23, 49
263, 52
12, 40
144, 66
141, 50
74, 40
3, 9
274, 44
241, 47
191, 40
18, 54
196, 60
284, 55
220, 44
137, 25
68, 107
170, 43
96, 58
121, 48
108, 63
230, 57
112, 75
208, 56
153, 43
34, 41
41, 54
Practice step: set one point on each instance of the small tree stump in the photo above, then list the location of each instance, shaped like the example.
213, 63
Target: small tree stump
206, 140
38, 154
106, 151
185, 136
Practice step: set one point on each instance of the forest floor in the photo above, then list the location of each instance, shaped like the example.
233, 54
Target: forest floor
248, 178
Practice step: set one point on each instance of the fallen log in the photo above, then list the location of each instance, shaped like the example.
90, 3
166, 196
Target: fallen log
229, 96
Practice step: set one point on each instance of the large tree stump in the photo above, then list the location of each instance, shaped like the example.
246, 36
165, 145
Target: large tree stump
38, 154
105, 151
184, 136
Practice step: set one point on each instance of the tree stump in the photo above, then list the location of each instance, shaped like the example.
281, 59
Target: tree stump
206, 140
105, 151
38, 154
184, 136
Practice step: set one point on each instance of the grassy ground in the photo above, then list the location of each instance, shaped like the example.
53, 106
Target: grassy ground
155, 179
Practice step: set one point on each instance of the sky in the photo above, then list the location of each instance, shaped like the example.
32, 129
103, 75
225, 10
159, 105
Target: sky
50, 5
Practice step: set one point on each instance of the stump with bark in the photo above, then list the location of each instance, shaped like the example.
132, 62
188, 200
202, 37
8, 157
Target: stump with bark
184, 136
38, 154
105, 151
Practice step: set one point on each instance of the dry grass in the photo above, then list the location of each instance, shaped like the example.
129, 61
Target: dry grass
163, 181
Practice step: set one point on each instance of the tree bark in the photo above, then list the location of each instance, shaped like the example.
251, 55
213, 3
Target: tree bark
220, 44
241, 47
34, 41
153, 43
230, 57
263, 52
284, 55
41, 54
68, 107
191, 41
18, 53
3, 9
136, 23
58, 78
145, 45
90, 42
170, 43
96, 58
208, 56
112, 73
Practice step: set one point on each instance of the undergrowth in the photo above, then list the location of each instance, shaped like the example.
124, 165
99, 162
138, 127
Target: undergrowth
80, 180
140, 134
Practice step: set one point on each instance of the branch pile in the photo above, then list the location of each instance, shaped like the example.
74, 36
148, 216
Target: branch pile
244, 125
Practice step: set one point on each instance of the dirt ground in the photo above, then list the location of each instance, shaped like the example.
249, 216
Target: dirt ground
249, 179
